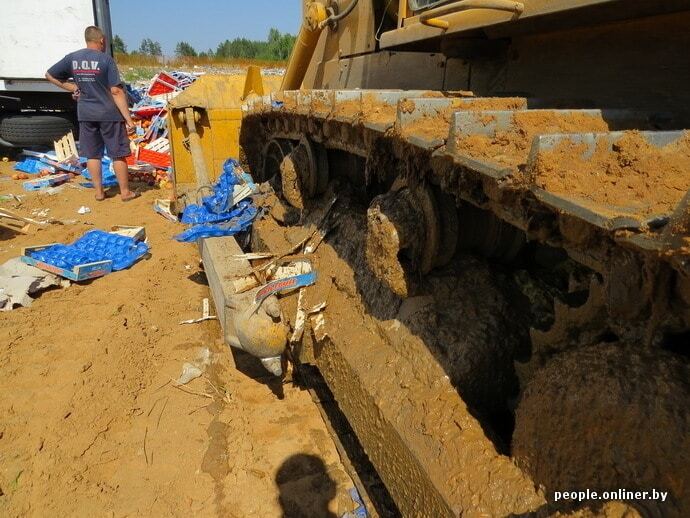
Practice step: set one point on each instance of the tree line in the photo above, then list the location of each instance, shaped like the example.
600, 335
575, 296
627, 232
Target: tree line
276, 47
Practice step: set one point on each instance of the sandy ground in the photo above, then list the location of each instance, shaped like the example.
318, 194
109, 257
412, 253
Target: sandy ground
92, 426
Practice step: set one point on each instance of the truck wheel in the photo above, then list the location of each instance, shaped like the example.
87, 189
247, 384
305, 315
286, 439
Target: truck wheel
32, 130
609, 417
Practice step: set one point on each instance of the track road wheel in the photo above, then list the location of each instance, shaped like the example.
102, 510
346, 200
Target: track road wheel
609, 417
410, 230
299, 173
273, 154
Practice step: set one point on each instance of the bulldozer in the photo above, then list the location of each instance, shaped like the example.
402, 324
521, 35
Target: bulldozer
501, 194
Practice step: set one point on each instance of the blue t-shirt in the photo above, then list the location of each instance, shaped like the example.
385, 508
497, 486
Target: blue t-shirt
95, 73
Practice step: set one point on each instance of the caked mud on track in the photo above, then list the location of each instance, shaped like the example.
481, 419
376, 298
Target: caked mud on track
497, 291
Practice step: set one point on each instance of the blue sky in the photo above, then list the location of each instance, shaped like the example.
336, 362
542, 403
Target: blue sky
203, 23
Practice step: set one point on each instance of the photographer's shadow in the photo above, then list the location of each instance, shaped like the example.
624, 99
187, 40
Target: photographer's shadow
305, 487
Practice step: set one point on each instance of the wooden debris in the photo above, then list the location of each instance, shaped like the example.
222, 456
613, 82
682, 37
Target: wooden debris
318, 326
66, 148
4, 213
205, 314
302, 315
253, 256
244, 284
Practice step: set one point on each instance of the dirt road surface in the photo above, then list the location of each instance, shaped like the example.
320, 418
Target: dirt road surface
91, 424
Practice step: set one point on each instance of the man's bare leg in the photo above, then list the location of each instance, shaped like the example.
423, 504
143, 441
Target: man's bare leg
94, 166
122, 174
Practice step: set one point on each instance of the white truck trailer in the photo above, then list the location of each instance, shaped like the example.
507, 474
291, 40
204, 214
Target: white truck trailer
34, 34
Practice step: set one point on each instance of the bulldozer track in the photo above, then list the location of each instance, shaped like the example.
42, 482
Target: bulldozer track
423, 154
418, 135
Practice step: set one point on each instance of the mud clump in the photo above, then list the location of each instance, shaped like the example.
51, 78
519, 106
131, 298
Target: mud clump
348, 109
606, 417
436, 126
511, 147
632, 174
382, 247
291, 183
394, 233
407, 106
472, 332
377, 112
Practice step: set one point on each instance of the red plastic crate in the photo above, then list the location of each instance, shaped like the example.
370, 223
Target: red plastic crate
161, 160
163, 84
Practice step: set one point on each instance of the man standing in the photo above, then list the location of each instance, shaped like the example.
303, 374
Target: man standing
102, 110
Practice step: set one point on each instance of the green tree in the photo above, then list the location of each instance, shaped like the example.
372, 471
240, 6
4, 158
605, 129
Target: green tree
119, 46
185, 50
277, 47
150, 48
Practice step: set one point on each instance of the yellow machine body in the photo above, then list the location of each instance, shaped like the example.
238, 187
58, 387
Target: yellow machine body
216, 101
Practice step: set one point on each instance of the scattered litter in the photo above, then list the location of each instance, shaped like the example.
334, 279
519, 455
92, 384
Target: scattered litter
163, 83
33, 166
291, 269
150, 161
361, 510
40, 213
46, 181
52, 191
189, 372
253, 256
219, 215
242, 192
4, 213
275, 272
95, 254
205, 315
51, 159
302, 315
108, 178
242, 219
136, 233
316, 239
160, 160
194, 370
218, 206
244, 284
18, 281
84, 210
318, 326
164, 208
160, 145
281, 285
307, 241
66, 149
4, 198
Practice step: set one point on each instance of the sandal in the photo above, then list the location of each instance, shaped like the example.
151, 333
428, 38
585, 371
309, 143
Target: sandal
133, 196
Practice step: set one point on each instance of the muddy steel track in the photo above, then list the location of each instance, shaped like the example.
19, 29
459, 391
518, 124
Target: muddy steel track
597, 196
591, 203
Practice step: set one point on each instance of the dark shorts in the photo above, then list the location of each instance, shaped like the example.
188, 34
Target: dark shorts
94, 137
